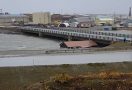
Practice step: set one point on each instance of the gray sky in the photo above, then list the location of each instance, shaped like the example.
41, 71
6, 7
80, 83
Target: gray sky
67, 6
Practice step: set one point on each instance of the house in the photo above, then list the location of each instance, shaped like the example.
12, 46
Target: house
78, 44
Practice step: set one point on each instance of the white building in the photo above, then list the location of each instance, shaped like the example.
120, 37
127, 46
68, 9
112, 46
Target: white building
64, 25
104, 20
41, 18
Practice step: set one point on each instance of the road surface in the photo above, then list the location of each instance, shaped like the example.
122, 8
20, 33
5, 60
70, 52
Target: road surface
101, 57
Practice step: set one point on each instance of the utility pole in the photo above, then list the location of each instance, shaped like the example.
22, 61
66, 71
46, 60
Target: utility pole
114, 18
0, 11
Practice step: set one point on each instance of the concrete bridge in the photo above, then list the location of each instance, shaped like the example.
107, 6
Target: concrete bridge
81, 33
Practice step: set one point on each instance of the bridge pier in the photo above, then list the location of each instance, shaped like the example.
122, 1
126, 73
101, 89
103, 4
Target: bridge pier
40, 34
69, 38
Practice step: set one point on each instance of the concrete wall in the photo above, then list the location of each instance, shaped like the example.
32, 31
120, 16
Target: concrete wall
41, 18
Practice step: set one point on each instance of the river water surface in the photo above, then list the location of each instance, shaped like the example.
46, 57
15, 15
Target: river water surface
23, 42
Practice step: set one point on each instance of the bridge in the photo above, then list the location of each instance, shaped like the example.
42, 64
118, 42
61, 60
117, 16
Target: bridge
81, 33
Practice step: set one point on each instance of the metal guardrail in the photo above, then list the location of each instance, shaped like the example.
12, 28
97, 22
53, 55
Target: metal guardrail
89, 34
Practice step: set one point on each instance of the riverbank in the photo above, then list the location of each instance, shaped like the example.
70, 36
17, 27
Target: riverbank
9, 30
21, 78
23, 53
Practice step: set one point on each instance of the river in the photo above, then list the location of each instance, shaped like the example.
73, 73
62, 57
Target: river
23, 42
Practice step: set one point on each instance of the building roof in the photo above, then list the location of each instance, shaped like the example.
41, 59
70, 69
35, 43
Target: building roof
81, 19
81, 44
104, 18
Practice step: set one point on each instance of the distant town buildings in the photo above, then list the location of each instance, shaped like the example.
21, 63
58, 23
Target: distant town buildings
82, 22
127, 22
29, 16
42, 18
56, 19
64, 25
104, 20
66, 18
10, 19
45, 19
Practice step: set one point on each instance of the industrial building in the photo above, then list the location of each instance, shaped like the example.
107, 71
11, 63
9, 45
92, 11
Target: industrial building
82, 22
30, 17
56, 19
66, 18
41, 18
9, 19
127, 23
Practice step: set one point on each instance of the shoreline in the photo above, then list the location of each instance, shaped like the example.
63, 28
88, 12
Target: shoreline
10, 30
61, 52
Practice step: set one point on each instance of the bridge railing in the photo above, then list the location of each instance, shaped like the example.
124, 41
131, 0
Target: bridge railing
97, 32
89, 34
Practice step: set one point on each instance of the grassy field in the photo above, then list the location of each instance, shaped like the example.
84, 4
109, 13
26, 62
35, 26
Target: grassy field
18, 78
105, 80
121, 44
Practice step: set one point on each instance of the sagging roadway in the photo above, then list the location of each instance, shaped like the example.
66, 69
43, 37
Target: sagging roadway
80, 33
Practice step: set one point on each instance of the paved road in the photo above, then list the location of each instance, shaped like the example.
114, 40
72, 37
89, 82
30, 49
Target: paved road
67, 59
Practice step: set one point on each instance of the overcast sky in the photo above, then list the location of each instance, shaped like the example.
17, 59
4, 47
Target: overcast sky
67, 6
